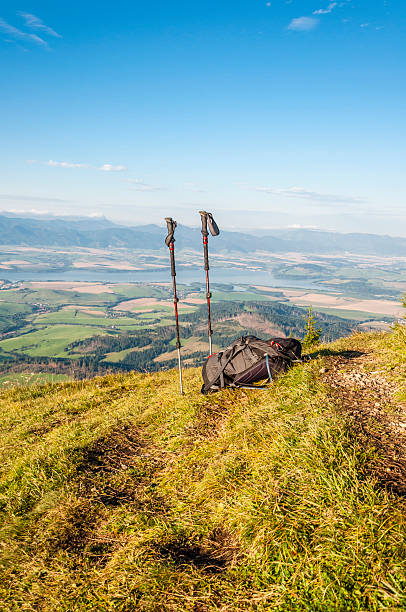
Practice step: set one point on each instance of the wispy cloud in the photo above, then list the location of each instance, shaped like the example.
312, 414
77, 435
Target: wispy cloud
303, 24
111, 168
33, 22
17, 34
140, 185
327, 10
305, 194
194, 187
65, 164
27, 198
299, 226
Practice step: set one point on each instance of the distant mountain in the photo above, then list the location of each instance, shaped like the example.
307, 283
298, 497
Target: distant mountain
99, 232
317, 241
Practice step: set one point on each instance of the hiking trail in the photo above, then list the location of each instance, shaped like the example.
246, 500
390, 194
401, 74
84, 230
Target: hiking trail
363, 393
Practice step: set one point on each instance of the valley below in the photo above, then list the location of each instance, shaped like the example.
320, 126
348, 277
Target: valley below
79, 325
101, 301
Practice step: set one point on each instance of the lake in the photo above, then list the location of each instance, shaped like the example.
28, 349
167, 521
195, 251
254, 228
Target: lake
184, 275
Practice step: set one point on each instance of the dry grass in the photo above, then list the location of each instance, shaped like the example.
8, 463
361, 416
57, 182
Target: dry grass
118, 494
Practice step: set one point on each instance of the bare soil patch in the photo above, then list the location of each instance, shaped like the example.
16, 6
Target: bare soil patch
255, 321
212, 555
16, 262
187, 349
92, 288
69, 286
111, 452
366, 397
108, 263
129, 305
114, 470
195, 298
85, 309
64, 285
386, 307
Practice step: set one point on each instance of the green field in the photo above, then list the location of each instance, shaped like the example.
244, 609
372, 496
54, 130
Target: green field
88, 328
117, 356
49, 341
356, 315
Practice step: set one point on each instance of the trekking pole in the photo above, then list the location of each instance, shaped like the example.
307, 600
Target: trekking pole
169, 241
208, 221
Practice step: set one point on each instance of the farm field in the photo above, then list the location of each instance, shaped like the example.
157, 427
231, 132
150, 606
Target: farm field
84, 328
359, 276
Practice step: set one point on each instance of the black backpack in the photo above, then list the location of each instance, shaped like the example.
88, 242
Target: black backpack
249, 360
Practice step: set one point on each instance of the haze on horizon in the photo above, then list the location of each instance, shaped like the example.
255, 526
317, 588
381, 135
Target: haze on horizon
272, 114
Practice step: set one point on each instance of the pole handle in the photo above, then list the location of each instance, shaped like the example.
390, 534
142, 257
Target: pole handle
213, 227
172, 254
208, 220
171, 226
203, 215
206, 253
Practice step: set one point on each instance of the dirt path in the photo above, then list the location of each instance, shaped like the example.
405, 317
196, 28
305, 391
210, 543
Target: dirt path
364, 395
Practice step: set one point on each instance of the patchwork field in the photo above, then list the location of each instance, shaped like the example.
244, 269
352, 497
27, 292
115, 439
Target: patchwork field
93, 327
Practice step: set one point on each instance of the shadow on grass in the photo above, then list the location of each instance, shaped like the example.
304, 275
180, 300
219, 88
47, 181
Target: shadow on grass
330, 353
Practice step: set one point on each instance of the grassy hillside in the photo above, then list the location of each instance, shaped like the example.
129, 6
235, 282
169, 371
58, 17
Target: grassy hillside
118, 494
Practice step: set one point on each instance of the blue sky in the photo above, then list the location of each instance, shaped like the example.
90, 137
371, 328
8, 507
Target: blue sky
270, 114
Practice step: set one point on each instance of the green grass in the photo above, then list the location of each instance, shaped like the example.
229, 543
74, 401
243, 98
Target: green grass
58, 297
117, 356
49, 341
78, 317
10, 308
355, 315
119, 494
140, 291
14, 379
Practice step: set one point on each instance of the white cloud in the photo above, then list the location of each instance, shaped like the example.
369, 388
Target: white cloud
194, 187
20, 35
305, 194
27, 198
303, 24
140, 185
33, 22
298, 226
63, 164
327, 10
32, 211
111, 168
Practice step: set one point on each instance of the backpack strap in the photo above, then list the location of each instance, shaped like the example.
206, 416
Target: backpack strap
221, 373
268, 368
248, 386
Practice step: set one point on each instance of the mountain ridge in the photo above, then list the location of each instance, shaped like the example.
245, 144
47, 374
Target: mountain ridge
102, 233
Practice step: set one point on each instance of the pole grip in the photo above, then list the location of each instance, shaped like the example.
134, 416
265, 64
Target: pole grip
171, 226
172, 253
206, 252
213, 227
203, 215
